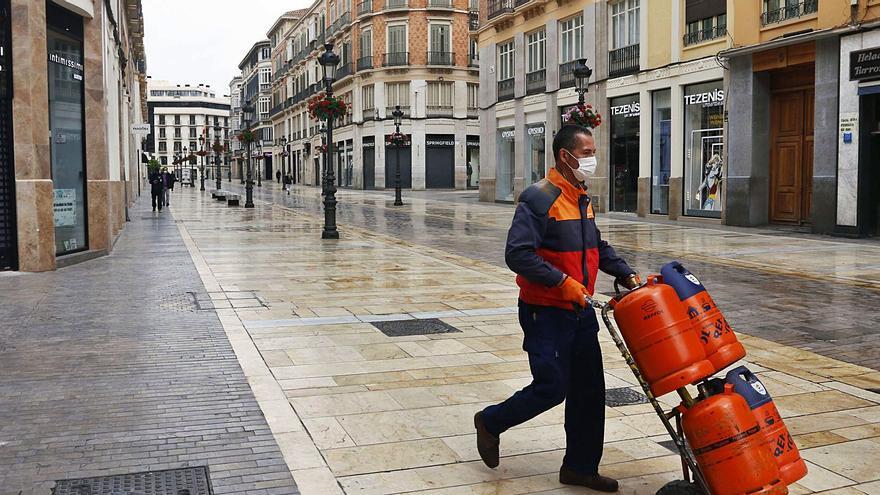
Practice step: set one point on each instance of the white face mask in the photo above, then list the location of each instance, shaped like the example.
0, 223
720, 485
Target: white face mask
586, 167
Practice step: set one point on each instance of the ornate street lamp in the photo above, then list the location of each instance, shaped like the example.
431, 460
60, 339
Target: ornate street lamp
218, 148
582, 75
323, 131
202, 150
398, 140
247, 113
330, 62
260, 162
284, 159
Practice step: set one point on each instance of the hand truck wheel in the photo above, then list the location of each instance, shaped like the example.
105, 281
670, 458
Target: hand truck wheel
680, 487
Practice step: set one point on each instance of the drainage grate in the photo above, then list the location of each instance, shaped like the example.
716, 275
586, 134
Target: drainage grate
617, 397
187, 481
402, 328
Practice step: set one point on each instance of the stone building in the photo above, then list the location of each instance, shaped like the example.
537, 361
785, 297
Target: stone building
692, 93
72, 83
412, 53
185, 119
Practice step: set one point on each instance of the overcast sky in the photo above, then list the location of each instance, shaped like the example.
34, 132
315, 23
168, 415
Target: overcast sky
202, 41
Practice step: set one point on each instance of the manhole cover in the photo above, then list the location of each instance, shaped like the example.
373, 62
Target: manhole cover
403, 328
617, 397
188, 481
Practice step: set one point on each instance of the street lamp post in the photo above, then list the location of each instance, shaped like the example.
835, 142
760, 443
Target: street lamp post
217, 149
398, 140
249, 182
582, 75
324, 159
260, 163
330, 62
184, 161
202, 150
284, 159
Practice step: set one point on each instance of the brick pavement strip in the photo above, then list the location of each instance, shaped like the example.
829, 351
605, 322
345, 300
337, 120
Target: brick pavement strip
107, 369
385, 415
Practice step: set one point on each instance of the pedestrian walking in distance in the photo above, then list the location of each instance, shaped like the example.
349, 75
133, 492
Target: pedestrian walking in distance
278, 176
157, 189
168, 180
288, 180
556, 251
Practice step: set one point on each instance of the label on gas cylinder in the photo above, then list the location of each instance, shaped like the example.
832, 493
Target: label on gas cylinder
727, 441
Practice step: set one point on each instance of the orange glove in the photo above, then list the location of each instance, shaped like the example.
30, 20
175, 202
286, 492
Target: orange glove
574, 292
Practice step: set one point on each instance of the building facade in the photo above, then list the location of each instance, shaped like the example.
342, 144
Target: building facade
256, 93
236, 149
185, 119
68, 163
412, 53
669, 77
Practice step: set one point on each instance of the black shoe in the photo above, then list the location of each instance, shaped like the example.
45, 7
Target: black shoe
487, 443
593, 481
154, 208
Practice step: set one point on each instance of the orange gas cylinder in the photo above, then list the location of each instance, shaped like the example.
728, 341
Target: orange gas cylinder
720, 343
778, 440
729, 447
656, 328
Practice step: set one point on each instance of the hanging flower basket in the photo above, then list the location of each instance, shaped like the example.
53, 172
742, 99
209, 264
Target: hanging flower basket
582, 115
202, 153
246, 137
322, 148
219, 148
327, 107
397, 139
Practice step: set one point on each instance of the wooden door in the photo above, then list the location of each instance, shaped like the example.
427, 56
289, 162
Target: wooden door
791, 156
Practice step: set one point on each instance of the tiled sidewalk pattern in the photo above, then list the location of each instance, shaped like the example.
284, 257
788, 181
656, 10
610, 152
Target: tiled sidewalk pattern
376, 414
105, 368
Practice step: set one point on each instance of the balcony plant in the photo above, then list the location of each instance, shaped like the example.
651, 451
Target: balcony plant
582, 115
325, 107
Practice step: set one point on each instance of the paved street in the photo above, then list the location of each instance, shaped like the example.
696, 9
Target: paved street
96, 359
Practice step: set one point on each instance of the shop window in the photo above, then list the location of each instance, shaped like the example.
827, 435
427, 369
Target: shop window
624, 173
64, 40
535, 152
704, 149
661, 155
505, 161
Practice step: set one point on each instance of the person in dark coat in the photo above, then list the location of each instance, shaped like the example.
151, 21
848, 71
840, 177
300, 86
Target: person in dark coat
157, 189
277, 176
287, 180
168, 180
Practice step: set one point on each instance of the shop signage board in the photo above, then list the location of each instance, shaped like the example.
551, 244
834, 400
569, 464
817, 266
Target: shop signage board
864, 64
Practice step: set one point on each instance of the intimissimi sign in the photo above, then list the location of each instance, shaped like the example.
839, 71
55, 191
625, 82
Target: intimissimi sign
58, 59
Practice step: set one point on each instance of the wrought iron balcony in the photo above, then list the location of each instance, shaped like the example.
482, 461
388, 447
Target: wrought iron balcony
522, 2
704, 35
505, 89
441, 58
396, 59
439, 4
365, 7
365, 63
474, 20
623, 61
566, 74
498, 7
396, 4
536, 81
787, 12
343, 71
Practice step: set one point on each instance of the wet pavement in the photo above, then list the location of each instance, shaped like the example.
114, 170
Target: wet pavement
815, 293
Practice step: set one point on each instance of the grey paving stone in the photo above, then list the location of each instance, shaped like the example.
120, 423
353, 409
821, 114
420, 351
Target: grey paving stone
103, 375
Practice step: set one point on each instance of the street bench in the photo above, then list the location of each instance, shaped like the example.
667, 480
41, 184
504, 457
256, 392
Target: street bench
232, 200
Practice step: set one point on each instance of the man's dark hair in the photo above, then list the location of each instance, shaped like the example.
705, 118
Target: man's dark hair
566, 138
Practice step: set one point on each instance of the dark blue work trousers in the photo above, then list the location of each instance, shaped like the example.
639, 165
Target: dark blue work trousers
566, 364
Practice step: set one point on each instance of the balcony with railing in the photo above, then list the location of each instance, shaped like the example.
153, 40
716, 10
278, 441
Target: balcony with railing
536, 82
702, 35
517, 3
441, 58
789, 11
439, 4
439, 111
396, 4
365, 63
365, 7
396, 59
498, 7
474, 20
623, 61
505, 89
343, 71
566, 74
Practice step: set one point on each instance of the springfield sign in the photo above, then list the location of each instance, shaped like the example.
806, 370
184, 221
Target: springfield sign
864, 65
